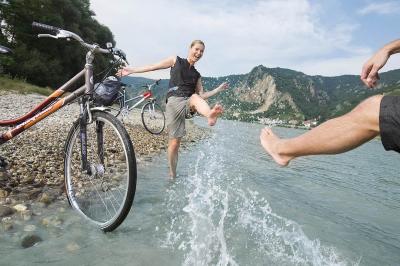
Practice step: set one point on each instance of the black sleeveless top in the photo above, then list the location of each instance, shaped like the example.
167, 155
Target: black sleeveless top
183, 80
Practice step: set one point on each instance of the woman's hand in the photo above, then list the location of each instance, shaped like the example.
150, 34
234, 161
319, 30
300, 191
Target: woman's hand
125, 71
223, 86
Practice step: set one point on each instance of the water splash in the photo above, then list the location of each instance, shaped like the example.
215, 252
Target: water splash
216, 221
280, 240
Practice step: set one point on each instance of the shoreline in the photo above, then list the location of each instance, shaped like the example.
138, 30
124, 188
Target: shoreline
35, 170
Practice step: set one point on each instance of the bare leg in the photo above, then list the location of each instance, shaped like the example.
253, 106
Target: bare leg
334, 136
173, 148
204, 109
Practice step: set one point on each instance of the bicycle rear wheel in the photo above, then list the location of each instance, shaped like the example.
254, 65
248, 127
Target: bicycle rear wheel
153, 118
105, 194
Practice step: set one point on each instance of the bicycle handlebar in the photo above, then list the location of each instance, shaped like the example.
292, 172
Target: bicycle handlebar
45, 27
60, 33
149, 86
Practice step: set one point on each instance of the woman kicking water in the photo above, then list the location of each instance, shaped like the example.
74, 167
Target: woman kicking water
185, 96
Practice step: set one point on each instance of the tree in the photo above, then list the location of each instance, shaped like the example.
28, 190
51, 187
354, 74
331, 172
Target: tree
49, 62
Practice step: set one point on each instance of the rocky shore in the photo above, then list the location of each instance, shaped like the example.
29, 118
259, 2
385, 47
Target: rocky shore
34, 176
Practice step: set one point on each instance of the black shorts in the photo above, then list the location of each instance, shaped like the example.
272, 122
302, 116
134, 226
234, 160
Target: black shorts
389, 122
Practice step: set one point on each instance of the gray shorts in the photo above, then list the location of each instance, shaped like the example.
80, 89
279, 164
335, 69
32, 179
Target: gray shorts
177, 111
389, 122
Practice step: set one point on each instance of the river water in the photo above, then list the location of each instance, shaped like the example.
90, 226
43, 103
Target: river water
232, 205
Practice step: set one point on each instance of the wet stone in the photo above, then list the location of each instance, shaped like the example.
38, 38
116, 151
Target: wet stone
3, 193
5, 211
7, 223
45, 199
20, 207
3, 175
30, 240
71, 247
29, 228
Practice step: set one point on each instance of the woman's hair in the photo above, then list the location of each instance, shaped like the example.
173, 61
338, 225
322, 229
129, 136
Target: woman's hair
197, 42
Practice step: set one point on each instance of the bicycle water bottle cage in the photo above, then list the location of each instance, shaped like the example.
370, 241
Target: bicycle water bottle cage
106, 91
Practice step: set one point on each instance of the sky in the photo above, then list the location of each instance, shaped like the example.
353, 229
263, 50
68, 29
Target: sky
326, 37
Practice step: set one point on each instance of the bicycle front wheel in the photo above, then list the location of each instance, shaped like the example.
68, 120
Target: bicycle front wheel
153, 118
104, 193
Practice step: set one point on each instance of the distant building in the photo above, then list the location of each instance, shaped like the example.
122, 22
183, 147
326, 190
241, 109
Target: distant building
310, 123
270, 122
307, 124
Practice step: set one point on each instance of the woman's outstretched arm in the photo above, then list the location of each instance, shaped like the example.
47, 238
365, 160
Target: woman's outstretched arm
163, 64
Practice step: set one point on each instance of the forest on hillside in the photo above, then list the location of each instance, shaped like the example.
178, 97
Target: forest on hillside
45, 61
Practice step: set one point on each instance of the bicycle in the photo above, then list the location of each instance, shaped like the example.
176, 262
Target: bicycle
152, 115
99, 159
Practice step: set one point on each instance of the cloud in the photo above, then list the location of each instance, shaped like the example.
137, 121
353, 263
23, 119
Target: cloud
382, 8
238, 34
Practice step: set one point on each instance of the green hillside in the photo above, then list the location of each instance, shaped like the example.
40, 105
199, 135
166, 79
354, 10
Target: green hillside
287, 95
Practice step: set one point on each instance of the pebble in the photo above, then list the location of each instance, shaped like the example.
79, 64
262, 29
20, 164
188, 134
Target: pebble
20, 207
7, 223
45, 199
71, 247
29, 228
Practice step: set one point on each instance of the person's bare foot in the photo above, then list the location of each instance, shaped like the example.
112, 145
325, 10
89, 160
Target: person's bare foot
172, 175
215, 112
270, 142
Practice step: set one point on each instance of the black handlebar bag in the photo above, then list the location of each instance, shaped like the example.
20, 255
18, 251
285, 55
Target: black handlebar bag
106, 92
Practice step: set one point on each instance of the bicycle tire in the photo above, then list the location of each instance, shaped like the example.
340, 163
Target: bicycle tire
105, 197
153, 118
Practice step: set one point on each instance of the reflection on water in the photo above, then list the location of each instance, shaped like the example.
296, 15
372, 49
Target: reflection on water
231, 205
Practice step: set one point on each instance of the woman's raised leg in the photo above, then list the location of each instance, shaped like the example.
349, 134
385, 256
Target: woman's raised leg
204, 109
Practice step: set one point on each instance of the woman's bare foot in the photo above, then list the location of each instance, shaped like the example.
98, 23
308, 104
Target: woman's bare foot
214, 113
172, 175
270, 143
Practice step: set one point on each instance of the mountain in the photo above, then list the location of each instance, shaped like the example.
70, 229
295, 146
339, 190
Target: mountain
284, 95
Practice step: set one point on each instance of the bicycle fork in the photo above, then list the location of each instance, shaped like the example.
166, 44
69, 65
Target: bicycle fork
83, 122
85, 118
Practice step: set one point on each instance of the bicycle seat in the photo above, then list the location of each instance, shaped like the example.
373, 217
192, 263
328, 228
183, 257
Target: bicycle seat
5, 50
